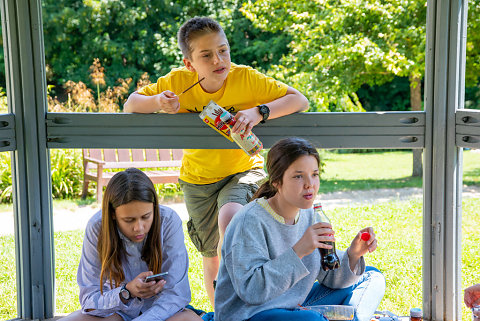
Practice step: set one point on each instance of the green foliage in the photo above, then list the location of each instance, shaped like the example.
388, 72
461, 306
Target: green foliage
472, 71
129, 37
5, 178
337, 46
137, 36
391, 96
3, 101
67, 173
250, 45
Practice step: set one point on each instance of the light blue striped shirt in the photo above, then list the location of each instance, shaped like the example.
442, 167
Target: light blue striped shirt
174, 296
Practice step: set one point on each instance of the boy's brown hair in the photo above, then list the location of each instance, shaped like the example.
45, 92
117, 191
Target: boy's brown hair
194, 28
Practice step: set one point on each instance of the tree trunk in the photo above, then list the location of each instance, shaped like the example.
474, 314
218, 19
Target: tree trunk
416, 105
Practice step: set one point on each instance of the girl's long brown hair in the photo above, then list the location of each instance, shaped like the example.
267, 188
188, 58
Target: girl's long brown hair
124, 187
282, 154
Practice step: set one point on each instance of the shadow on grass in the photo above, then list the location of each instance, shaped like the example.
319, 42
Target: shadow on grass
342, 185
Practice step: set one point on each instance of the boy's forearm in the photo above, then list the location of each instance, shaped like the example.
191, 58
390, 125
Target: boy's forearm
292, 102
137, 103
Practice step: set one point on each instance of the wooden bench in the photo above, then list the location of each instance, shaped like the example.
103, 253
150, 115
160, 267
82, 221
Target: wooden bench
95, 161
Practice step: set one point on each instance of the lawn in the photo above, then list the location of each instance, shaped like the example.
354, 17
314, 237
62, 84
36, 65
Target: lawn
399, 256
354, 171
398, 226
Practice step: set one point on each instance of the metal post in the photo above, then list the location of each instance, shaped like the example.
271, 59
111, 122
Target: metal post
444, 90
26, 91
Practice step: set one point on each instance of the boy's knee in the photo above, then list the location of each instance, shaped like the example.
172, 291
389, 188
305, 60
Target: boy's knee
225, 215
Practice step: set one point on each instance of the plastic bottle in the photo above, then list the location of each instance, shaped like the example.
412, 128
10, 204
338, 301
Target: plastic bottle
250, 143
329, 260
416, 314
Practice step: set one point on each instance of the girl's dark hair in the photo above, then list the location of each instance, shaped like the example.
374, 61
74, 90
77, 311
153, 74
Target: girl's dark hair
124, 187
279, 158
194, 28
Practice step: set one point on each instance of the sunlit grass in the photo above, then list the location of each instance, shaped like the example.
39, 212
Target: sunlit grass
398, 226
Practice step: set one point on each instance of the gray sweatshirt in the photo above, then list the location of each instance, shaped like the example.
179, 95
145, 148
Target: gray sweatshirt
260, 271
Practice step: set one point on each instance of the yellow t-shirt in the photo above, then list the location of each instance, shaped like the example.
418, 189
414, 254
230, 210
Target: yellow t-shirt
244, 88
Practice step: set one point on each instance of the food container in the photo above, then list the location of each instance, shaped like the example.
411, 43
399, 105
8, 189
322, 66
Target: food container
333, 312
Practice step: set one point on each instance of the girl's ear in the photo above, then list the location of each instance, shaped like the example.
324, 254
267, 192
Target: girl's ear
275, 185
188, 64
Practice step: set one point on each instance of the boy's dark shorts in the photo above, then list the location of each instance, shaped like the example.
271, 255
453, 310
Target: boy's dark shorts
204, 201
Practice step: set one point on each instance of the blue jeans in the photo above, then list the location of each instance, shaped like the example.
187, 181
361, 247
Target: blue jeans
364, 296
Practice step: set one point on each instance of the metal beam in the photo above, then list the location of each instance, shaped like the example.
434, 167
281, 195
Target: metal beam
468, 128
26, 94
326, 130
7, 133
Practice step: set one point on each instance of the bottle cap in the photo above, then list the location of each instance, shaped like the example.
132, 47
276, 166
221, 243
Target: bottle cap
365, 236
416, 312
317, 205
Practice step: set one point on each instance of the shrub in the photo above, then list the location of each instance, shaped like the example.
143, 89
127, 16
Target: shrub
66, 172
5, 178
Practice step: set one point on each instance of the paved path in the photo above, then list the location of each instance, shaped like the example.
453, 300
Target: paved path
77, 218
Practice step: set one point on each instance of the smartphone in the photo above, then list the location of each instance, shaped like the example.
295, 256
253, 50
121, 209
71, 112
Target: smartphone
156, 277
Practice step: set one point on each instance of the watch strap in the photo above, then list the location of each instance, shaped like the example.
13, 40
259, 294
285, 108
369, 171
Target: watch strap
264, 112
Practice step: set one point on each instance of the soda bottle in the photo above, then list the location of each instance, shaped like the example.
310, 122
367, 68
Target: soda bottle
329, 260
249, 143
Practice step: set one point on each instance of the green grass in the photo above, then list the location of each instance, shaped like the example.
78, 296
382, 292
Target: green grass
398, 226
345, 172
342, 172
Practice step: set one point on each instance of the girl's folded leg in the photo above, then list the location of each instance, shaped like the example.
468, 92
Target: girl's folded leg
364, 296
287, 315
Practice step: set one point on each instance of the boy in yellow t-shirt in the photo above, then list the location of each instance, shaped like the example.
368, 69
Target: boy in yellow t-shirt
216, 183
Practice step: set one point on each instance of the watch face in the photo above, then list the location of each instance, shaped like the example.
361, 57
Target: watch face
264, 111
125, 294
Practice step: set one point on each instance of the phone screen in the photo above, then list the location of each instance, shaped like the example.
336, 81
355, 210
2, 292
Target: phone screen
156, 277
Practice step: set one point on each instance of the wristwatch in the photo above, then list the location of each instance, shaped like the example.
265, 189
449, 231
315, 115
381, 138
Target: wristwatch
124, 293
264, 112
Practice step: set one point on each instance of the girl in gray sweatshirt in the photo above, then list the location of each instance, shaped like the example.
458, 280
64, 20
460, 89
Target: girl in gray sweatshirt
270, 266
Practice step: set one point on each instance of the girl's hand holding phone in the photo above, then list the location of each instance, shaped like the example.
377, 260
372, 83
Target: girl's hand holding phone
313, 238
144, 290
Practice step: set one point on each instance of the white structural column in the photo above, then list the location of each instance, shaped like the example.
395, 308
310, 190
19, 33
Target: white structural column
26, 90
444, 94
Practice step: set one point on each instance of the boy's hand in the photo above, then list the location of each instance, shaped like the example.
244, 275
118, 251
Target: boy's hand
140, 289
313, 238
472, 295
168, 102
246, 119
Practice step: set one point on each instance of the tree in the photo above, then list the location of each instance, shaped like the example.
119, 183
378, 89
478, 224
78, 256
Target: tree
129, 37
132, 37
339, 45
